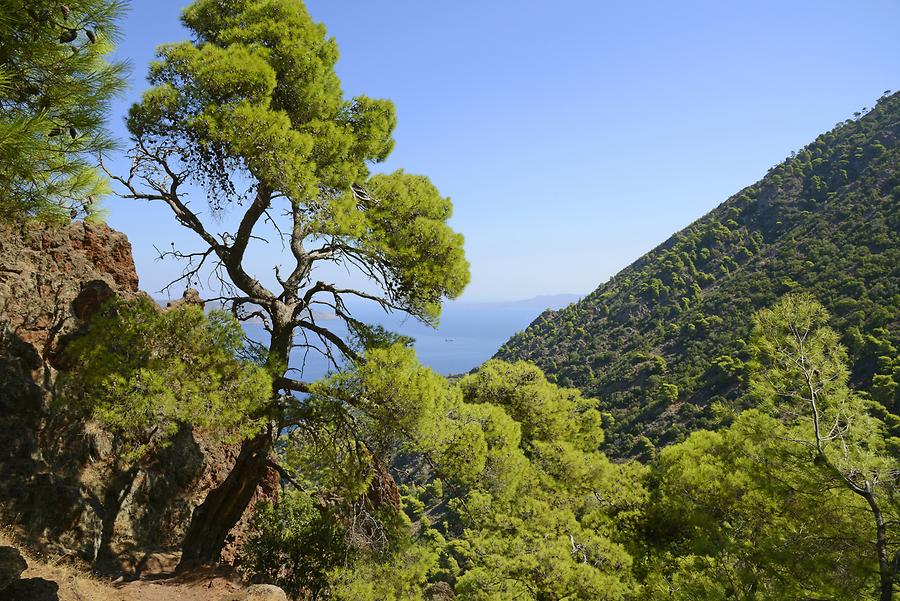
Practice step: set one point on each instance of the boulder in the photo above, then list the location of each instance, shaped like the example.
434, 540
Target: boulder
265, 592
12, 564
190, 297
31, 589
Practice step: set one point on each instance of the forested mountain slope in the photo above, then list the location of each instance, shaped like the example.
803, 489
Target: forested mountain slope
663, 343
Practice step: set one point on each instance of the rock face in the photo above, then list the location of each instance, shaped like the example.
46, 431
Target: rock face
60, 475
52, 278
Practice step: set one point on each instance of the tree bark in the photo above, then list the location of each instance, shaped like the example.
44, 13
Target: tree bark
224, 506
885, 570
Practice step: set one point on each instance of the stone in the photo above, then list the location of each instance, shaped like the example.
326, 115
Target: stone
383, 489
32, 589
12, 564
439, 591
92, 296
265, 592
190, 297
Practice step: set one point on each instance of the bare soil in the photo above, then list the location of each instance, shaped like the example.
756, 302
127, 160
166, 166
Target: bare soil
74, 583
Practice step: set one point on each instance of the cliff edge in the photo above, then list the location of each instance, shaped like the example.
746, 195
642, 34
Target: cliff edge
60, 476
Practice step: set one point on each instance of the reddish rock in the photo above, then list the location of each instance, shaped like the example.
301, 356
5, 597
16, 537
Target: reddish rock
190, 297
383, 489
58, 473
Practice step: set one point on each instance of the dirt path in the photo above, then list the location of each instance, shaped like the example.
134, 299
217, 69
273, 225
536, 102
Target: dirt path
57, 579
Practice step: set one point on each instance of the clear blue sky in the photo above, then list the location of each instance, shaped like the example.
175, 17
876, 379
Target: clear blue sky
573, 136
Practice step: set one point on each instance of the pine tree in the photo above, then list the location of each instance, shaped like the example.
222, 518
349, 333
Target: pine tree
56, 82
802, 369
251, 113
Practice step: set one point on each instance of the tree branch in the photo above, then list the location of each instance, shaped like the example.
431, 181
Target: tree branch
332, 338
285, 383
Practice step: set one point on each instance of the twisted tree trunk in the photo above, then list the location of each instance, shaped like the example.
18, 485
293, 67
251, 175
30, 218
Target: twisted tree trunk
224, 506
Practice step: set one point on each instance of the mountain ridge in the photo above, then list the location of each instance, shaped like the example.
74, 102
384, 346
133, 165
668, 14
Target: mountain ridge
662, 343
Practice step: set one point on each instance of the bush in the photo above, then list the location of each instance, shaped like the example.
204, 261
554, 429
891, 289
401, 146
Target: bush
294, 545
142, 373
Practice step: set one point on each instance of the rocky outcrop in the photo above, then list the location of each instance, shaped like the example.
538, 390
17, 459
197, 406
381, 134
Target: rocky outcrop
60, 474
52, 279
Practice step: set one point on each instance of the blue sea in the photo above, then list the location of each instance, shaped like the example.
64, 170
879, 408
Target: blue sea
468, 335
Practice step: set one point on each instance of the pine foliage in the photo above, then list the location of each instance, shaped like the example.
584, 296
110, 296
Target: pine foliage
56, 82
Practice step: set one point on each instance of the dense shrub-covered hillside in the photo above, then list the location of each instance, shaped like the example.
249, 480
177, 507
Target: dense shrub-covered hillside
663, 344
